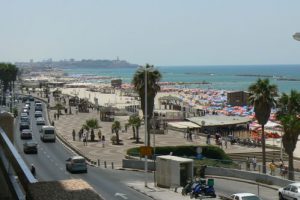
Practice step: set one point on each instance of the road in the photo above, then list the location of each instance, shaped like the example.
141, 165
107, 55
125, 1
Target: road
50, 166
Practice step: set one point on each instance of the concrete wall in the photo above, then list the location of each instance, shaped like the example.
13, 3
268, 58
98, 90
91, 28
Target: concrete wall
137, 164
247, 175
217, 171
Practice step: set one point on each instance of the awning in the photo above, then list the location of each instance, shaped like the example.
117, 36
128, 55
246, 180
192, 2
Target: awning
183, 125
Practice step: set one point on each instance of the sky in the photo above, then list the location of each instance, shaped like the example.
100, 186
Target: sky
159, 32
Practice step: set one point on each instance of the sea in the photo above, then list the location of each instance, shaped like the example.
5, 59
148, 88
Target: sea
221, 77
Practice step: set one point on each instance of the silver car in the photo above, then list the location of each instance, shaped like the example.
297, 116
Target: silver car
76, 164
40, 121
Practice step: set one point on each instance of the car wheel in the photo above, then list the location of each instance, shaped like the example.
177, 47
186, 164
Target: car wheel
281, 197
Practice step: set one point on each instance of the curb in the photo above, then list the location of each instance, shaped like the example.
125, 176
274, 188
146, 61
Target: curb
143, 192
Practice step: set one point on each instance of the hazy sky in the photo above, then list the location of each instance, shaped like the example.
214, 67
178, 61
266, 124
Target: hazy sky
159, 32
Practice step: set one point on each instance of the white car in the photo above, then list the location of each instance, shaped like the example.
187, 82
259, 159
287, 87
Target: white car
291, 191
40, 121
76, 164
38, 114
244, 196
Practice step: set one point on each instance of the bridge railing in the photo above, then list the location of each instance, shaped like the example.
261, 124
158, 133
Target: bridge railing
14, 166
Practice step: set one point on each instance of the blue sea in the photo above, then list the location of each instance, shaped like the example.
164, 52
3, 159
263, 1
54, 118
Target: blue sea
220, 77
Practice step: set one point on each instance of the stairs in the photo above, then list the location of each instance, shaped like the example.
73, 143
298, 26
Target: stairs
270, 155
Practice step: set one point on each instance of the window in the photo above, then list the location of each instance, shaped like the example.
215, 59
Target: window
294, 189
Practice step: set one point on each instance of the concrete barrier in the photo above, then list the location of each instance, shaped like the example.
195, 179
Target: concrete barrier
247, 175
137, 164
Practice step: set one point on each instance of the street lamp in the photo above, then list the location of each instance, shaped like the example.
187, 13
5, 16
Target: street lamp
296, 36
146, 117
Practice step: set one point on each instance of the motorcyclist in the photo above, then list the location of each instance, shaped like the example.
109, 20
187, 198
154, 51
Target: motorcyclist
32, 169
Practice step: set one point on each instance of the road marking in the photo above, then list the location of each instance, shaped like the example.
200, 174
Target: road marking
123, 196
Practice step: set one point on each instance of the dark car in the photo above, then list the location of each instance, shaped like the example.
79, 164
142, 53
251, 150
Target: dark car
24, 125
30, 147
31, 98
26, 134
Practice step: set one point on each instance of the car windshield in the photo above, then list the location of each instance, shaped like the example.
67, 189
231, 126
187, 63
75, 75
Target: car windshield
49, 131
79, 161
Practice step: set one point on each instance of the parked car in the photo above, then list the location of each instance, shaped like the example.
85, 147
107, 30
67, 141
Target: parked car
291, 191
76, 164
38, 114
244, 196
27, 105
24, 125
26, 134
40, 121
31, 98
25, 110
30, 147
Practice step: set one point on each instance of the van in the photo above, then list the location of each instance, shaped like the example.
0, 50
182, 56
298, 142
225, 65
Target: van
48, 133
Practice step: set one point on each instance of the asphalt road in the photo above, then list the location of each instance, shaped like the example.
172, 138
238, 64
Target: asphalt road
50, 166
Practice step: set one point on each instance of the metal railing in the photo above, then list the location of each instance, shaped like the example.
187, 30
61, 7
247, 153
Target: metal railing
13, 165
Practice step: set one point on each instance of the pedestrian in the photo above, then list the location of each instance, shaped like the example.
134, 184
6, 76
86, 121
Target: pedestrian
248, 163
99, 135
103, 141
254, 163
32, 169
79, 135
272, 168
54, 116
76, 110
226, 140
208, 138
73, 134
84, 139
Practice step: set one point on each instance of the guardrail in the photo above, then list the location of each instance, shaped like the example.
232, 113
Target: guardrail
14, 165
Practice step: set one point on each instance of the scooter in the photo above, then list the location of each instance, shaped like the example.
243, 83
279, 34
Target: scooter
203, 190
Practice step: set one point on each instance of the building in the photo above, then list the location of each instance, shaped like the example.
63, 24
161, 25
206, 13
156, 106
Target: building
116, 83
238, 98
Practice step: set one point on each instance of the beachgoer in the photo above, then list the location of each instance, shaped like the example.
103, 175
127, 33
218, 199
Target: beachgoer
84, 136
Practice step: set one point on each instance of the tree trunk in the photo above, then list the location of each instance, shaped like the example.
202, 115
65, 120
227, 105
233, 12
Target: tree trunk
148, 132
291, 175
133, 132
263, 146
137, 135
117, 134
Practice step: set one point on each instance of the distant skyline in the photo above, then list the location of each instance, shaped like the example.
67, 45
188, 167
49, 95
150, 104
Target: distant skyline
162, 33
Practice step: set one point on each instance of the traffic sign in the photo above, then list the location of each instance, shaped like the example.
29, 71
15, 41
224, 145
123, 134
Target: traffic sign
146, 151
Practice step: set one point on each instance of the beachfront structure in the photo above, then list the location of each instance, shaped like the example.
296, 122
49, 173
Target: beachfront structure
107, 114
225, 125
116, 83
238, 98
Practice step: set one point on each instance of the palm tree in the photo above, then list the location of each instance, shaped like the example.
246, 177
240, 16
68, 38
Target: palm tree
153, 77
135, 121
288, 111
8, 74
262, 97
91, 124
116, 127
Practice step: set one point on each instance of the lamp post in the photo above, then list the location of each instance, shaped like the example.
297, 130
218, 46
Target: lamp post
146, 127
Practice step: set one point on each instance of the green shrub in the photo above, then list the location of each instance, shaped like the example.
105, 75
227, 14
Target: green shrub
211, 152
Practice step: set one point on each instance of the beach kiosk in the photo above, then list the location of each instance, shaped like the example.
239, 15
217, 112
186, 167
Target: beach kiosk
173, 171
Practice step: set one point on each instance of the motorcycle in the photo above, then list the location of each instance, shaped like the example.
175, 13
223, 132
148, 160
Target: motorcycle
202, 189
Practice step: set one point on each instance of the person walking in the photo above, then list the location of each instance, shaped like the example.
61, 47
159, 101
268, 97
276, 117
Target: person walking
73, 134
103, 141
208, 138
99, 135
248, 163
84, 137
32, 169
254, 163
272, 168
